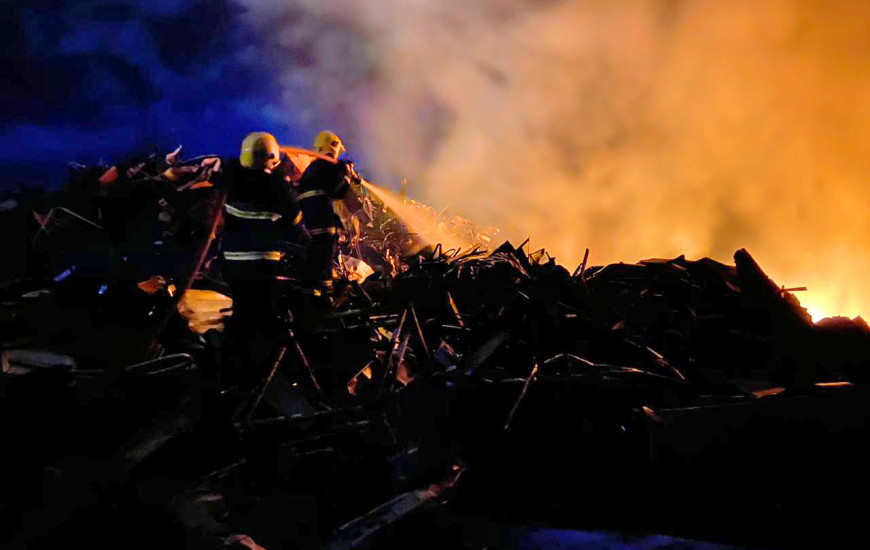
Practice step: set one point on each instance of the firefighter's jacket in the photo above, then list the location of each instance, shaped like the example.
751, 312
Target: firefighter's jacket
260, 215
322, 183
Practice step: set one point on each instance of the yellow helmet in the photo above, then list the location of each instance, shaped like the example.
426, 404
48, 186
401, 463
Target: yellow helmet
329, 143
260, 151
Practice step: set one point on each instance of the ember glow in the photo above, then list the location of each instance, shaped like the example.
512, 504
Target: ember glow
637, 128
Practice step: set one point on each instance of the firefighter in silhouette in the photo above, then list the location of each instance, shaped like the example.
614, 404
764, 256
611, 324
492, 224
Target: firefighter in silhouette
324, 181
262, 226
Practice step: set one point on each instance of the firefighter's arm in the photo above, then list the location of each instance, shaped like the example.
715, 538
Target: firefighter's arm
353, 199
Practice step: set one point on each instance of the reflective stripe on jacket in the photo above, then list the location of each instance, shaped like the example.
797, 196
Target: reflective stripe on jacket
322, 183
260, 215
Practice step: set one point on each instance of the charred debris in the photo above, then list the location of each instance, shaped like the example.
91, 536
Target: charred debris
449, 392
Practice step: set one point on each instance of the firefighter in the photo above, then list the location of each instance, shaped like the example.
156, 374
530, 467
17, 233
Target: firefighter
323, 182
262, 224
260, 215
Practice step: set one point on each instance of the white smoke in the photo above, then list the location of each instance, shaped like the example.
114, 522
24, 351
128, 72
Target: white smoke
637, 128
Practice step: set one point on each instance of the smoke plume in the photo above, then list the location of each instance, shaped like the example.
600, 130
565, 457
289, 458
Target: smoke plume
637, 128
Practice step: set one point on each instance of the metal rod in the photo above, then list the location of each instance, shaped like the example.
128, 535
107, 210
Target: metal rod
393, 343
455, 309
793, 289
265, 385
582, 267
510, 417
420, 334
306, 364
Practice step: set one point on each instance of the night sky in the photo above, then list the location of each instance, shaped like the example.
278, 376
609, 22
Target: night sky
91, 80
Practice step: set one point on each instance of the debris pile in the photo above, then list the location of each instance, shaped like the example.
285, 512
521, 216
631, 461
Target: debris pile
433, 376
382, 238
700, 321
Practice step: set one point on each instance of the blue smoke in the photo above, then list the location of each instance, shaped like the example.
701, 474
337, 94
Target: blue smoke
94, 80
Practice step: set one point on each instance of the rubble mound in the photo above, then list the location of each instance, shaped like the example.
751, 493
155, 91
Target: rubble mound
488, 382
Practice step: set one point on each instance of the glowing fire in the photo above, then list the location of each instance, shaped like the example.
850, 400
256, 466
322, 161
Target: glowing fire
821, 304
817, 308
637, 129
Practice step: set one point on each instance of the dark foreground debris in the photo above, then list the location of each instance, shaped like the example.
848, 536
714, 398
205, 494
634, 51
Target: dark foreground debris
472, 387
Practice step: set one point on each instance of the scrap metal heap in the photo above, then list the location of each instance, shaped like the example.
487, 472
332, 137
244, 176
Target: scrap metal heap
494, 382
385, 241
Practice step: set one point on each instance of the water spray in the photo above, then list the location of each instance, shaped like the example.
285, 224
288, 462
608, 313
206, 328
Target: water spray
426, 228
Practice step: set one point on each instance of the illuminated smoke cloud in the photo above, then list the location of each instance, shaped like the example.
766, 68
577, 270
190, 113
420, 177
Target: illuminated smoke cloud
636, 128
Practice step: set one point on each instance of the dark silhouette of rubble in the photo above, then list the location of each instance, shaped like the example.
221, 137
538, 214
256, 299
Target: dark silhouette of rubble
670, 395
